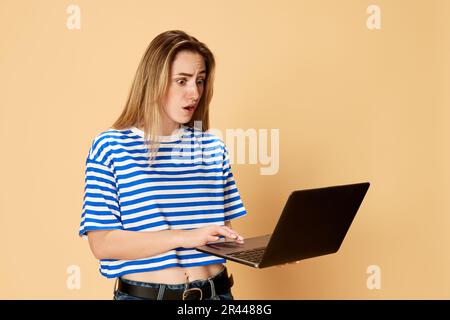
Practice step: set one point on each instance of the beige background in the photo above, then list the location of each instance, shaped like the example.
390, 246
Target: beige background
351, 104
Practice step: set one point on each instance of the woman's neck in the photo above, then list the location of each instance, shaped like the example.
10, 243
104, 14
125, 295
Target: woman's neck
169, 130
165, 131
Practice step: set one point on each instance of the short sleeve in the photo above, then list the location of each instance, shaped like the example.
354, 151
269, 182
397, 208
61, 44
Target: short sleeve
101, 209
234, 206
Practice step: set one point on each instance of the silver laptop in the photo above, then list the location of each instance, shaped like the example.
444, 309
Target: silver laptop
314, 222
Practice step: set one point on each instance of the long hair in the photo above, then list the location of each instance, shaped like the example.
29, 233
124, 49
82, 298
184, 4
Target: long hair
144, 103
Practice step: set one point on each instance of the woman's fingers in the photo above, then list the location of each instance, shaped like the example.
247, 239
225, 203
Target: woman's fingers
233, 234
212, 238
230, 234
231, 231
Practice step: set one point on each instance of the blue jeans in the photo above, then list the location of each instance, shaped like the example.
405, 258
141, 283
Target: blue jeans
197, 283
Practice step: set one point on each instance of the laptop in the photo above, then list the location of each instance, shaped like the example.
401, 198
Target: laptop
313, 223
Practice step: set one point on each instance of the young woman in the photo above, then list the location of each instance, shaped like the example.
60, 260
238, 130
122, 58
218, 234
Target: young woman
157, 186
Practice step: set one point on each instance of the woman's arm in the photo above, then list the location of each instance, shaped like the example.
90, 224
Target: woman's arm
131, 245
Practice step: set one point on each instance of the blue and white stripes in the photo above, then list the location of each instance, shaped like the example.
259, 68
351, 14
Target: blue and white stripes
189, 185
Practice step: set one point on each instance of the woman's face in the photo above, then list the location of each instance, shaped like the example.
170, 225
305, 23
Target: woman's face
186, 81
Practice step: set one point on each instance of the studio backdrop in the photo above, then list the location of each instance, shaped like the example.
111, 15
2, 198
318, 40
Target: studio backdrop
324, 92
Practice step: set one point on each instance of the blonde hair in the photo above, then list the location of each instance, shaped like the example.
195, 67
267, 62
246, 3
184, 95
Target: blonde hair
144, 103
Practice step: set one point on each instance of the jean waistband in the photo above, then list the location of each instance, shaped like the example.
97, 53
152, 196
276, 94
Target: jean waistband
195, 283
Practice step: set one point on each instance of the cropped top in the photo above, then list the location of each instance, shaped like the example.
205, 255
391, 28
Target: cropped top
188, 185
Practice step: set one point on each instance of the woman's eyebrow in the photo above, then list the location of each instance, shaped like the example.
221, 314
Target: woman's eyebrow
188, 74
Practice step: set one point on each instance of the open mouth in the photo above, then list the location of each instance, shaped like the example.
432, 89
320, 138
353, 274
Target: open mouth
189, 108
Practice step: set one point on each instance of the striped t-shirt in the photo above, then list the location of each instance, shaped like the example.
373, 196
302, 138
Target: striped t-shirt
188, 185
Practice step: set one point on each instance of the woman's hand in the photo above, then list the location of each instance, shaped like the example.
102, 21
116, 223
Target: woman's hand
201, 236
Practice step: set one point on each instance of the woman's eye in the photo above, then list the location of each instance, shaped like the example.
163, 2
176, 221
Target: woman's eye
183, 81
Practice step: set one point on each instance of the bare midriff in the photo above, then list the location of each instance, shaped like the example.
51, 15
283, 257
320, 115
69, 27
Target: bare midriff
176, 275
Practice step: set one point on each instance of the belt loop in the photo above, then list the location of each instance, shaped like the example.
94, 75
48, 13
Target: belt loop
213, 289
115, 284
161, 292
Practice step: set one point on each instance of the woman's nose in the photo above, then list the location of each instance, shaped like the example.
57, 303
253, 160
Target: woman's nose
194, 92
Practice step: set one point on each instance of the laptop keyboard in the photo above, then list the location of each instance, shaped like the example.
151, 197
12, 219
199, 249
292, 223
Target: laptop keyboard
253, 255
